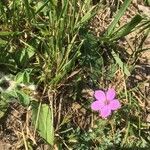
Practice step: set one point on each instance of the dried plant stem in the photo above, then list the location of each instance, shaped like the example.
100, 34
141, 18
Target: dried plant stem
24, 140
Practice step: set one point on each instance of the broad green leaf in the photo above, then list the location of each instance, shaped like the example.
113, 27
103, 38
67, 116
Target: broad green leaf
120, 63
23, 77
23, 56
42, 118
9, 96
23, 98
2, 42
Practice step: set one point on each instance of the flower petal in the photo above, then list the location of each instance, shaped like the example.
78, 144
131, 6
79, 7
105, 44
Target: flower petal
105, 112
110, 94
114, 104
97, 105
100, 95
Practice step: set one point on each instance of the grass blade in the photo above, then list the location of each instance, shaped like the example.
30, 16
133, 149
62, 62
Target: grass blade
127, 28
120, 63
117, 17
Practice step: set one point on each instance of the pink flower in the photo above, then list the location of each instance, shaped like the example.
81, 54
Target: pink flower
105, 102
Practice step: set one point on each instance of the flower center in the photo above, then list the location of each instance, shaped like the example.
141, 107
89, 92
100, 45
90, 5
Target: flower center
106, 102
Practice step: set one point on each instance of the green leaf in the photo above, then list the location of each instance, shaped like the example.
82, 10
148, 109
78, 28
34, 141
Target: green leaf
23, 77
29, 10
127, 28
120, 63
120, 13
42, 118
23, 98
3, 107
88, 15
23, 56
147, 2
9, 33
9, 96
41, 6
2, 42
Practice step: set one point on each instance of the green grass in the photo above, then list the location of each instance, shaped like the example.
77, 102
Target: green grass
48, 45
